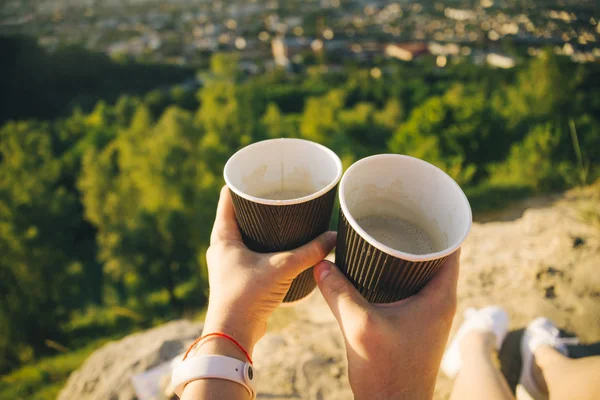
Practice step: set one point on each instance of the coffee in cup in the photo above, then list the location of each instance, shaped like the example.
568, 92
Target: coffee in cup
400, 218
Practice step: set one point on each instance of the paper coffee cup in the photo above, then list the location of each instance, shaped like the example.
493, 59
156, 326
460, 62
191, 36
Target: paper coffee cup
283, 194
391, 196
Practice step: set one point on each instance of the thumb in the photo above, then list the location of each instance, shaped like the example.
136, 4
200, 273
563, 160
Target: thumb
293, 262
342, 298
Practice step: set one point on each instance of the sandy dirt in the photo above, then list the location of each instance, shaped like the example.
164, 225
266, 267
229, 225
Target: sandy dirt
541, 261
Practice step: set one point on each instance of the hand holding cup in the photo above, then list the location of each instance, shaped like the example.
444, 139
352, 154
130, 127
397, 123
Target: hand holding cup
283, 191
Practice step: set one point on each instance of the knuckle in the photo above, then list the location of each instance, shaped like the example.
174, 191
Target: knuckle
304, 256
281, 260
337, 287
367, 328
318, 249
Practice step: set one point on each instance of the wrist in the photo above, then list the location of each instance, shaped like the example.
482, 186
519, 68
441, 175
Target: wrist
221, 346
245, 331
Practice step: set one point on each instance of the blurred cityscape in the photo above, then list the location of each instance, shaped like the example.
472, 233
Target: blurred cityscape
295, 33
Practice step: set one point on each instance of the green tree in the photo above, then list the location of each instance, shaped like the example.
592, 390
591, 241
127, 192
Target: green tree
320, 121
544, 91
184, 97
230, 109
157, 100
391, 115
363, 134
146, 194
124, 110
423, 136
225, 65
277, 125
39, 224
530, 162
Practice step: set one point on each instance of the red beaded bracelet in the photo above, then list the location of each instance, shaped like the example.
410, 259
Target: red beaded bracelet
217, 334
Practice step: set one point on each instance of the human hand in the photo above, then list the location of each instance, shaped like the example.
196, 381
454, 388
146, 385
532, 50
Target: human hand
246, 287
394, 350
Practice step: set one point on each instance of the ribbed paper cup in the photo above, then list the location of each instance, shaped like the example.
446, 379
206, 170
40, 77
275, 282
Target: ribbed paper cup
405, 188
303, 176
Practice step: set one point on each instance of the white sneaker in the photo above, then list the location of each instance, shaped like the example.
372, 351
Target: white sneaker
540, 332
491, 319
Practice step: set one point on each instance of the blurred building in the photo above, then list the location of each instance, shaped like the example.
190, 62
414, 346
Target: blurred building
366, 51
406, 51
284, 49
500, 61
445, 49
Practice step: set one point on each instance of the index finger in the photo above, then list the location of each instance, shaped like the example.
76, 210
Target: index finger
225, 227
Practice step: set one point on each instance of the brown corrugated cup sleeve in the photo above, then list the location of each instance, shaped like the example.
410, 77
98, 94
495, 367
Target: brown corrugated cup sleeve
378, 276
274, 228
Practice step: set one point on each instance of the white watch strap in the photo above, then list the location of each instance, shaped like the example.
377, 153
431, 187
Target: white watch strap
213, 366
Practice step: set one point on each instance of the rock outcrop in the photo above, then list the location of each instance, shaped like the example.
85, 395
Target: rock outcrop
106, 374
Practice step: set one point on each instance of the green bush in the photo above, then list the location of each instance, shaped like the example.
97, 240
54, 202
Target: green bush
44, 379
488, 196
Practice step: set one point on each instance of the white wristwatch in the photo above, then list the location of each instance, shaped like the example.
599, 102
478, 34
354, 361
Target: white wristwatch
213, 366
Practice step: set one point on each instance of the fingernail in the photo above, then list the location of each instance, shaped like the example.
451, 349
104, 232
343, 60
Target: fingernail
324, 269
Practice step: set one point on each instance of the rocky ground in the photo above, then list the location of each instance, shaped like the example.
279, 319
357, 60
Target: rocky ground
542, 261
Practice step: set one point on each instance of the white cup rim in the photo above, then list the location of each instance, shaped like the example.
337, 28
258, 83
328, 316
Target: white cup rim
286, 202
386, 249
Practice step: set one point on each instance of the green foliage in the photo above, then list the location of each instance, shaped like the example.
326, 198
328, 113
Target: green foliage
151, 174
40, 222
105, 215
224, 65
488, 196
529, 162
320, 122
543, 88
44, 379
184, 98
419, 138
590, 209
391, 115
276, 125
230, 109
36, 84
290, 97
540, 161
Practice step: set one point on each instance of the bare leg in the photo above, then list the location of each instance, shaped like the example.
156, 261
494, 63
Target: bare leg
479, 378
567, 378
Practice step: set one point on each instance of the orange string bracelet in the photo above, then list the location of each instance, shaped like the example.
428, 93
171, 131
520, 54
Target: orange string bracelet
217, 334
